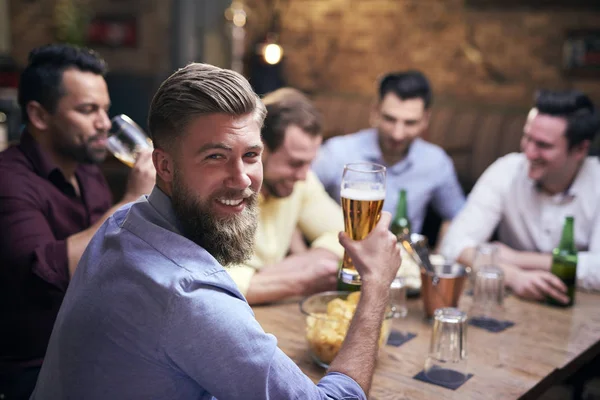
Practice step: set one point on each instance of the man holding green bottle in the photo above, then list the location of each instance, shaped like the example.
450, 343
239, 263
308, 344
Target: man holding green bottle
564, 262
527, 197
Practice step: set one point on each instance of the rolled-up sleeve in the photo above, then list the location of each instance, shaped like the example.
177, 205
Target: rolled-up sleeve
27, 243
480, 216
321, 218
214, 338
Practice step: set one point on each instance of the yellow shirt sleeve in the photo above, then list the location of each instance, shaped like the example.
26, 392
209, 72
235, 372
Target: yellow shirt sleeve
242, 275
321, 218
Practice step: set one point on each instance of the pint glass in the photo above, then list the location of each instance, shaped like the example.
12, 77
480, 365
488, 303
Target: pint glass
127, 139
362, 193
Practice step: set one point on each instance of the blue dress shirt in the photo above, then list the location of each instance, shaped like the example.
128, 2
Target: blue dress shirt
151, 315
427, 173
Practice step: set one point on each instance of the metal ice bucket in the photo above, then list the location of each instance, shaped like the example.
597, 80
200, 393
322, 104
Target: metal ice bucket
443, 287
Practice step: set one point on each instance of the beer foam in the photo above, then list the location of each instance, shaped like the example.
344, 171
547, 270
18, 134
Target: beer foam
363, 194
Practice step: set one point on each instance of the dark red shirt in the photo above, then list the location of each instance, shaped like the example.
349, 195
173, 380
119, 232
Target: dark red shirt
39, 209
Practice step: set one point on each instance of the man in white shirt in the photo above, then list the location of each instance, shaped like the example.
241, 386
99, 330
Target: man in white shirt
527, 196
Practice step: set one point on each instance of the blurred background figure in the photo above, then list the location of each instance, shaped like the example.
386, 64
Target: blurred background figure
423, 169
53, 198
291, 197
527, 195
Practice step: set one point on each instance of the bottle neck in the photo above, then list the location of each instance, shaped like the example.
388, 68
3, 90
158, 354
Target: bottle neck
566, 240
401, 210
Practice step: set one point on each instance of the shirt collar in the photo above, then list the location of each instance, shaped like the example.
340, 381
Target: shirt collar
579, 183
372, 153
371, 149
44, 166
577, 186
163, 205
41, 162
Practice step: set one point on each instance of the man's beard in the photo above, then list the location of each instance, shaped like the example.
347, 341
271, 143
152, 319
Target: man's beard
230, 240
84, 153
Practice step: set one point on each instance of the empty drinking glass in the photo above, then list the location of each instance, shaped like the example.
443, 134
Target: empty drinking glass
486, 254
398, 297
126, 139
488, 296
446, 363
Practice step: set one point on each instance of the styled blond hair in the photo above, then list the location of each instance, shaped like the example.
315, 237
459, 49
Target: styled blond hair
195, 90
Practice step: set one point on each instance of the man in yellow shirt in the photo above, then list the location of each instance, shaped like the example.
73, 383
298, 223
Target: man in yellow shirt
291, 197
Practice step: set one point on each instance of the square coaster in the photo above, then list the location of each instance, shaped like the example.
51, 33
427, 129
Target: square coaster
490, 324
398, 338
443, 377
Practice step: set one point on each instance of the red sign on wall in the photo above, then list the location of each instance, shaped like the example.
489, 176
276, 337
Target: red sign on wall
113, 31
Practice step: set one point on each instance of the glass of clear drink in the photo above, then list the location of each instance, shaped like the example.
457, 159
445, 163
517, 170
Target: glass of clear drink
126, 139
362, 193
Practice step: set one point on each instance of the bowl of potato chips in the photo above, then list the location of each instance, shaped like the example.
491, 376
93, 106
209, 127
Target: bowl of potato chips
328, 317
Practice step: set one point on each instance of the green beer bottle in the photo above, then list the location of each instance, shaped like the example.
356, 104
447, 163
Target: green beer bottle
564, 262
401, 224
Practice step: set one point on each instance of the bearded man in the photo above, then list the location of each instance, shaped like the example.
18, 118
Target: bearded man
152, 314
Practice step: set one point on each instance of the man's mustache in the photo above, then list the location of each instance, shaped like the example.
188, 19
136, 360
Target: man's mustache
237, 194
98, 136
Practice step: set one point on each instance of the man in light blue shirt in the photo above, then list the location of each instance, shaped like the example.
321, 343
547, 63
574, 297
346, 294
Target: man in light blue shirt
422, 168
152, 314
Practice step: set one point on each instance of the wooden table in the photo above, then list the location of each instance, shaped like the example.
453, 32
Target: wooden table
545, 346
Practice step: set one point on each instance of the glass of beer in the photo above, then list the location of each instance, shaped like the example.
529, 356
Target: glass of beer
126, 139
362, 193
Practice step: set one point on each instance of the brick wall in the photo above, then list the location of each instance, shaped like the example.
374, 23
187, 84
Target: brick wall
32, 25
344, 45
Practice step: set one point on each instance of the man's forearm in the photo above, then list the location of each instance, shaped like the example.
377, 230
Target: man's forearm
531, 260
297, 243
441, 233
466, 256
296, 275
520, 259
358, 354
270, 284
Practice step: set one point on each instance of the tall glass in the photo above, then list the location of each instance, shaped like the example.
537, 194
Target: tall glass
362, 193
488, 296
126, 139
446, 363
486, 255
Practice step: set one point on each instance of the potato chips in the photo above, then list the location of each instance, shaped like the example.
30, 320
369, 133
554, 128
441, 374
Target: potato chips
325, 332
